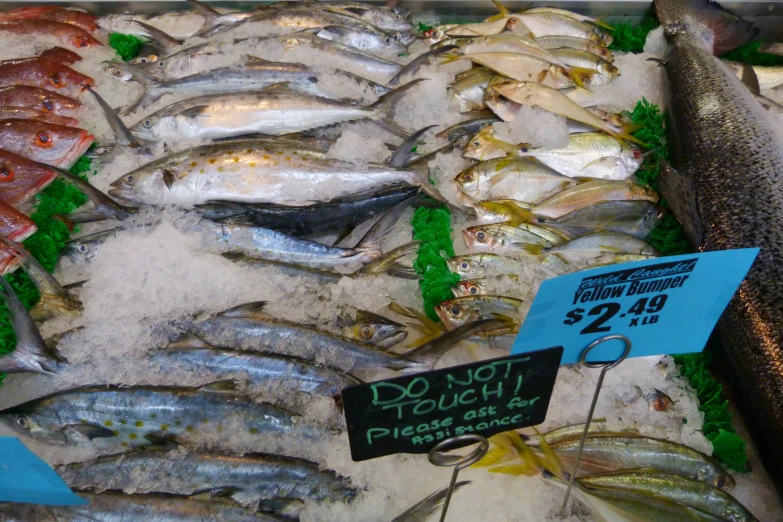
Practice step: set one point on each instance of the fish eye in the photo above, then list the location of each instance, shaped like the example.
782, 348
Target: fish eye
387, 40
129, 178
44, 139
473, 290
476, 143
436, 34
22, 423
397, 37
55, 80
480, 236
112, 16
366, 332
147, 123
455, 311
143, 59
636, 153
6, 172
82, 42
468, 177
48, 104
83, 248
397, 17
464, 265
116, 72
720, 482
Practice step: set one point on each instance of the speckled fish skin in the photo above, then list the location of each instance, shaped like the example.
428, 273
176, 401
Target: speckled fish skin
273, 112
253, 171
47, 143
674, 488
261, 332
116, 417
21, 178
39, 99
45, 74
118, 507
251, 477
721, 141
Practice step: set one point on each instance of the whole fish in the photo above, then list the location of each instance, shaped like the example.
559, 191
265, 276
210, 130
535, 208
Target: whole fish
469, 91
119, 507
332, 216
249, 328
556, 24
272, 112
21, 178
60, 55
589, 193
587, 60
287, 374
610, 452
473, 266
81, 19
597, 243
31, 353
379, 16
373, 329
137, 416
570, 14
40, 99
526, 68
67, 34
363, 37
256, 171
722, 140
42, 73
501, 238
509, 43
520, 179
26, 113
572, 42
463, 310
467, 128
48, 143
245, 479
637, 218
674, 488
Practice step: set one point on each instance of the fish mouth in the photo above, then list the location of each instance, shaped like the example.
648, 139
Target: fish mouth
394, 339
76, 152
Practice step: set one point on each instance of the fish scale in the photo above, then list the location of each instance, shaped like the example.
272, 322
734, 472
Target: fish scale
722, 142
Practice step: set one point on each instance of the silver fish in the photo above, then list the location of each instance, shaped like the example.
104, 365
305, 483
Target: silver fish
637, 218
245, 479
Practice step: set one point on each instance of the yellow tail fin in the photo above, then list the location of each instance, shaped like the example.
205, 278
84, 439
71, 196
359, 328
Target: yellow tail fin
514, 214
600, 23
502, 8
532, 249
625, 133
580, 75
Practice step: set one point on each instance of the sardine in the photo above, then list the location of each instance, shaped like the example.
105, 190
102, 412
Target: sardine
556, 24
246, 479
137, 416
722, 143
379, 16
524, 68
48, 143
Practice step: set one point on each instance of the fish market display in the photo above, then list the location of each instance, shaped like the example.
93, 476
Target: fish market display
258, 192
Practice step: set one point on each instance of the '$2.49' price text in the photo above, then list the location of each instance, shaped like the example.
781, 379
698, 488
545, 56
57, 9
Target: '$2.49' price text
644, 311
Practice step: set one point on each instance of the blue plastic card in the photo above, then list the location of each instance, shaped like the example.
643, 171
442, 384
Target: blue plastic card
666, 305
24, 477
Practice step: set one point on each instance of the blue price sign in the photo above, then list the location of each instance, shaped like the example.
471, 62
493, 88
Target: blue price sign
666, 305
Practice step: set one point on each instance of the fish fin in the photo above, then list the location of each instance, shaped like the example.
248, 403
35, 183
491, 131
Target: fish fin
235, 255
203, 9
102, 202
431, 352
599, 21
415, 64
122, 134
402, 153
452, 57
247, 310
580, 75
162, 440
370, 243
30, 354
163, 40
680, 192
530, 248
600, 162
77, 284
187, 341
749, 79
504, 145
424, 509
388, 261
502, 8
224, 386
402, 272
169, 178
625, 131
194, 112
767, 103
345, 232
382, 109
89, 431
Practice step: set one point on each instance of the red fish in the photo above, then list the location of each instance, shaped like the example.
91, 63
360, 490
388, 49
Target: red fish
40, 72
50, 12
21, 178
25, 113
67, 34
60, 55
9, 260
35, 98
45, 142
14, 225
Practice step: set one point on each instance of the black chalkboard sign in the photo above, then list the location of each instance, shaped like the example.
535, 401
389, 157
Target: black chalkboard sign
411, 414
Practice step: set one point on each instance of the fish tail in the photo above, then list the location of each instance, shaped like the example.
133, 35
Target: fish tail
104, 206
452, 57
30, 354
384, 107
204, 10
387, 263
624, 133
431, 352
600, 23
581, 75
504, 11
158, 37
370, 243
424, 509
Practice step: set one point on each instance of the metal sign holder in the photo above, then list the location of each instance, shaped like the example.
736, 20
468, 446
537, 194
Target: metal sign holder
438, 458
605, 367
